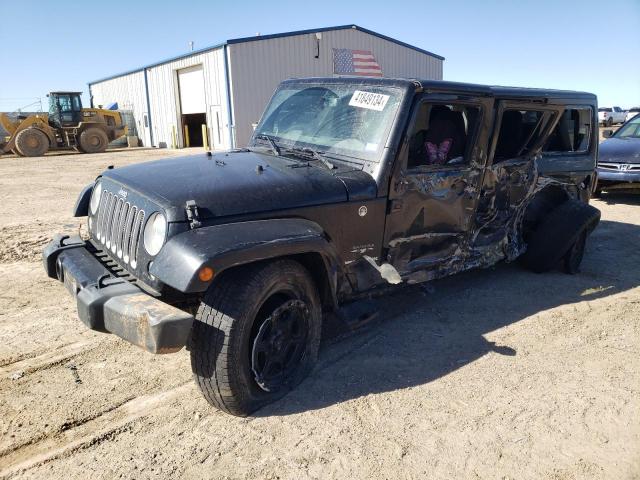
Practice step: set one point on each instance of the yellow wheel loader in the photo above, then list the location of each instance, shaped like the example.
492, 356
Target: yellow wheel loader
67, 125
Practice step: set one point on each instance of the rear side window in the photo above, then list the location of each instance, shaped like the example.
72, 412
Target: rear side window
520, 130
572, 133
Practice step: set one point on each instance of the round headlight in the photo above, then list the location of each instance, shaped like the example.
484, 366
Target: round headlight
154, 232
94, 203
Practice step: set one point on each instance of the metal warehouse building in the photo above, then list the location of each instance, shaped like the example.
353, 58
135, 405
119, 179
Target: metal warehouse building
226, 86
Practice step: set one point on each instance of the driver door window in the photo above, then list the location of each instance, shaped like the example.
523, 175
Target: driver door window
441, 135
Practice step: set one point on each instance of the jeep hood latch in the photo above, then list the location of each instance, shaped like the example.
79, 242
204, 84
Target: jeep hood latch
192, 214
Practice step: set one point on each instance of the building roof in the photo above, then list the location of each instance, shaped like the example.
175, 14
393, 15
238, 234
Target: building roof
266, 37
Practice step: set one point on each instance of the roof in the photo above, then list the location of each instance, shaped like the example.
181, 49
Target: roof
258, 38
436, 85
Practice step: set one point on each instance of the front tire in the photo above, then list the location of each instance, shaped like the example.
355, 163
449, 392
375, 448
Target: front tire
32, 142
256, 335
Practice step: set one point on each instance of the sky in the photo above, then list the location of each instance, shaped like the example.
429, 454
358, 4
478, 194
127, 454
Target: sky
568, 44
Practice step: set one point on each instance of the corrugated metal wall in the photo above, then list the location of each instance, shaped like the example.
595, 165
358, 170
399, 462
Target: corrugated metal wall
163, 94
129, 92
258, 67
255, 69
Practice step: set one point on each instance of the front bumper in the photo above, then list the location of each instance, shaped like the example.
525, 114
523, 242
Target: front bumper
607, 177
107, 303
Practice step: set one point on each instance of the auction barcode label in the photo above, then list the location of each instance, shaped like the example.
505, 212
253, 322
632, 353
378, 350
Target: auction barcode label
372, 101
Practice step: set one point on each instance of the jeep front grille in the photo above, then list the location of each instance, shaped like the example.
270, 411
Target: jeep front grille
118, 227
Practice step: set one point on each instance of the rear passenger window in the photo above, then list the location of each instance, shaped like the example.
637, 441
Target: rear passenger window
572, 133
519, 131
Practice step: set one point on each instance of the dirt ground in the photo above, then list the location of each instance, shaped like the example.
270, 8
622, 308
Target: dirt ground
490, 374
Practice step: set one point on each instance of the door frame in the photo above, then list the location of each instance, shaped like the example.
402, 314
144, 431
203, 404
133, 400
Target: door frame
521, 171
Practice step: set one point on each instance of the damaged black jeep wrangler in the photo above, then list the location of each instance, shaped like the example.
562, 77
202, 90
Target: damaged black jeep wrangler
347, 186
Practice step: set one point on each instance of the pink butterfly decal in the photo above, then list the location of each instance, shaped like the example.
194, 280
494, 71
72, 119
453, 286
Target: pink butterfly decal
437, 154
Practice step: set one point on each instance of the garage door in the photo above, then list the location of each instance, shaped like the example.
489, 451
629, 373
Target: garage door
191, 83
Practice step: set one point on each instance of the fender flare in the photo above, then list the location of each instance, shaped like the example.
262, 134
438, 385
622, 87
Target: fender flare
233, 244
81, 208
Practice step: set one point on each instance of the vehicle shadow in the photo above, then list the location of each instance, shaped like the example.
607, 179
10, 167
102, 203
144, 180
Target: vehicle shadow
615, 198
422, 334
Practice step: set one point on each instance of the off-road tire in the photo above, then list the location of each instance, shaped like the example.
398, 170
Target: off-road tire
32, 142
93, 140
573, 258
557, 233
16, 152
226, 325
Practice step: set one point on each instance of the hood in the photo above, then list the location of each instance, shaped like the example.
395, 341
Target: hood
239, 182
620, 150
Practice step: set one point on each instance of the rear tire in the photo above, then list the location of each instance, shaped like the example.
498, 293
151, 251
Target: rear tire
93, 140
573, 258
558, 233
32, 142
243, 353
609, 122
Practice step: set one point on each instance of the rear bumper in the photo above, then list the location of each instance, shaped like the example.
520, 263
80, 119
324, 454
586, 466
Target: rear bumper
110, 304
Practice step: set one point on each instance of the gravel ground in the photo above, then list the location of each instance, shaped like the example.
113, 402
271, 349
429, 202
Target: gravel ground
490, 374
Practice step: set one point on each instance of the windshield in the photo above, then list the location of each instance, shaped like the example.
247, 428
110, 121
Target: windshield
353, 121
631, 129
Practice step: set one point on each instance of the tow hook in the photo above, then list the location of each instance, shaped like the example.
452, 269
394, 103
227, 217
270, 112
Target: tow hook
192, 214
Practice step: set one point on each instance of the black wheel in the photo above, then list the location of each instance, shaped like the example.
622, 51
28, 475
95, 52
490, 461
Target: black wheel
93, 140
256, 335
32, 142
609, 122
557, 233
573, 257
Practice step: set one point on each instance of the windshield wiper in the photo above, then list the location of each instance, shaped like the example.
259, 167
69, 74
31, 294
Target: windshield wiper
315, 154
272, 143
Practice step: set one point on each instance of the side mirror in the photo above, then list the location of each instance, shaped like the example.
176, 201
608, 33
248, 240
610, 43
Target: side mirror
607, 133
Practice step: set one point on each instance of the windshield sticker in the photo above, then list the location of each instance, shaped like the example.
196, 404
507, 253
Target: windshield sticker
372, 101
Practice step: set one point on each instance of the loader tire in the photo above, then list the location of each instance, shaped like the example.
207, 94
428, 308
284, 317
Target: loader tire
32, 142
561, 234
16, 152
93, 140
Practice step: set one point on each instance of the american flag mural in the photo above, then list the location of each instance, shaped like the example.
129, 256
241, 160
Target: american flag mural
355, 62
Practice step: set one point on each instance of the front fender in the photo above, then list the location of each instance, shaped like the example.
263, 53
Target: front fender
224, 246
81, 208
